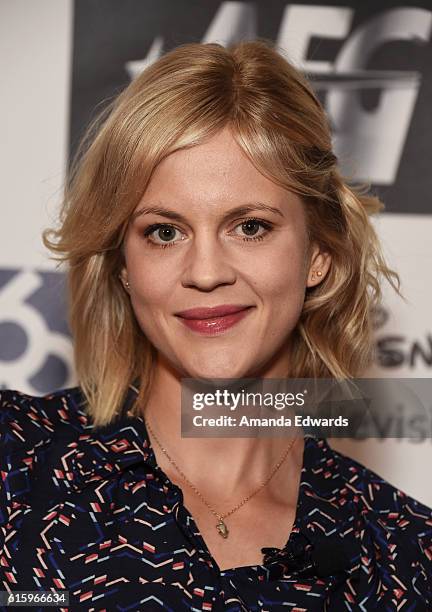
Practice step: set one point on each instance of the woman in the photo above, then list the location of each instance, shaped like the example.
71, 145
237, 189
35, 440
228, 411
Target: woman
208, 234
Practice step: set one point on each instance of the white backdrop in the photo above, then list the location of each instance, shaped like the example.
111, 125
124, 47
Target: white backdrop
35, 67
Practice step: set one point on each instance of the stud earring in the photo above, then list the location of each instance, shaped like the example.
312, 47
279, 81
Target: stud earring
125, 283
317, 272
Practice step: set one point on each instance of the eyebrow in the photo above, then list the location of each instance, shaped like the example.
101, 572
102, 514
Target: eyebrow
175, 216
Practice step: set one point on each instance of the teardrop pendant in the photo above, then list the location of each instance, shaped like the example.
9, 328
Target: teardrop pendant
222, 529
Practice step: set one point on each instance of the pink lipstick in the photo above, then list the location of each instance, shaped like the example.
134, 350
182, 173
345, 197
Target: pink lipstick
214, 320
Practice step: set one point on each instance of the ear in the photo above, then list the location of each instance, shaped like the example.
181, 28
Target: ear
123, 276
319, 265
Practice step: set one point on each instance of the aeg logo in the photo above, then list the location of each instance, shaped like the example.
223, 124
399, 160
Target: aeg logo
373, 139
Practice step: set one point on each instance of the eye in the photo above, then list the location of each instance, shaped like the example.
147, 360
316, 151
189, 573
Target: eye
161, 234
250, 228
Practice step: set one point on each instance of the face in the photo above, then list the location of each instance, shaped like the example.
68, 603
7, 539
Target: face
211, 231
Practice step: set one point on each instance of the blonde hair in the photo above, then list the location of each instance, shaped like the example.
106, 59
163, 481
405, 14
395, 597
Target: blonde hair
182, 99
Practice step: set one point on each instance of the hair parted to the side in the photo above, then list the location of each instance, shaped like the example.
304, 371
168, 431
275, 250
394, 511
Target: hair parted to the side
180, 100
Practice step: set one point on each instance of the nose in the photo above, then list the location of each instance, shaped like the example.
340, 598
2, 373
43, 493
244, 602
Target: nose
207, 264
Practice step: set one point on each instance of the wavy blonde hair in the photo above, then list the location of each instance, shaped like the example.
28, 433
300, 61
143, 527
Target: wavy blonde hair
182, 99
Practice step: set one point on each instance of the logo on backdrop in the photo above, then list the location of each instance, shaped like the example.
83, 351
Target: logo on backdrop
369, 65
400, 350
35, 346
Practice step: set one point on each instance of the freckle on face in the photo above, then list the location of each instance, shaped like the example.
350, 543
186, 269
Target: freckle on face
211, 264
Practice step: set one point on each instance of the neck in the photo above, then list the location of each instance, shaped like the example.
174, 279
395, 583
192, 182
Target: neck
219, 467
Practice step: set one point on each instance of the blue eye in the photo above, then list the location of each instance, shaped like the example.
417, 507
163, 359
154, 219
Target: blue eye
250, 225
163, 234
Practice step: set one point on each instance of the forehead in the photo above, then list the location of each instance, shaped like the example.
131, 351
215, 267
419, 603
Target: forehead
216, 158
212, 176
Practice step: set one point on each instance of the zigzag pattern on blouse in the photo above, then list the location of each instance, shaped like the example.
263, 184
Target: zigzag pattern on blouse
90, 511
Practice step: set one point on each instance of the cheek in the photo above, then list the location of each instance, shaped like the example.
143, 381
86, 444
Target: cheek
150, 276
153, 282
280, 275
149, 299
285, 298
150, 292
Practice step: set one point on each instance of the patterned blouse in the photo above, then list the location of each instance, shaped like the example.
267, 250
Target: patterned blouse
89, 511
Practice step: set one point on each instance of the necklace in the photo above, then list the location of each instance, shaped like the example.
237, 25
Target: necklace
221, 525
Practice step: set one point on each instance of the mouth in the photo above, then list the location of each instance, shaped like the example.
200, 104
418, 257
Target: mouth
213, 321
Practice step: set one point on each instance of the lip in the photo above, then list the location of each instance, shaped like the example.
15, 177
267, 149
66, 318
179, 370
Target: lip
213, 321
211, 313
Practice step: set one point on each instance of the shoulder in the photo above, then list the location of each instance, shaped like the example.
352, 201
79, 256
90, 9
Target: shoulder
35, 433
372, 490
388, 510
26, 419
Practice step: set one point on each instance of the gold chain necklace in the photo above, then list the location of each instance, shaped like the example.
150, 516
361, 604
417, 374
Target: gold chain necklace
221, 526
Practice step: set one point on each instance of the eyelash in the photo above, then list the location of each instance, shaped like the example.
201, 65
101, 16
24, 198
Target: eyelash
155, 226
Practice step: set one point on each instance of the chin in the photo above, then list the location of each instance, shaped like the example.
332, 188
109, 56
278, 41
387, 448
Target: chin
206, 371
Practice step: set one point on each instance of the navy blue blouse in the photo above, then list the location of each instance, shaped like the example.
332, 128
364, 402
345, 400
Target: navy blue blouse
90, 511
